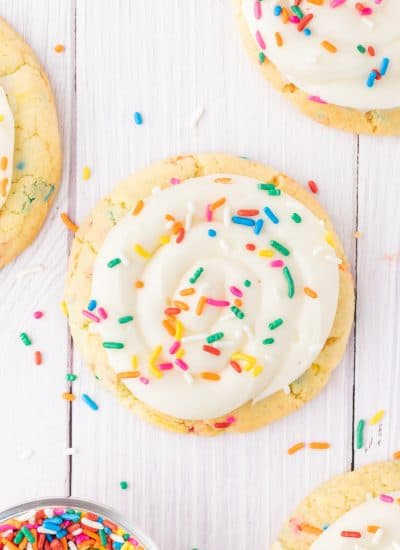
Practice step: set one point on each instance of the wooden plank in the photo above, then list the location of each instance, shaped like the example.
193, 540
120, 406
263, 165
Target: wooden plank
378, 311
33, 415
168, 60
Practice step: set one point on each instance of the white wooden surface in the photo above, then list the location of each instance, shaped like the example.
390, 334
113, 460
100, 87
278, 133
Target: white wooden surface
167, 59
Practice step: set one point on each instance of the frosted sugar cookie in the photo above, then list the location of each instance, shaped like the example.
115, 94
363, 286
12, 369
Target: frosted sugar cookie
210, 293
360, 510
334, 59
30, 157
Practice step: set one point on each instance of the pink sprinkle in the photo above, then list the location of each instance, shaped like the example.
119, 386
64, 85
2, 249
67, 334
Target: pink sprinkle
91, 316
236, 291
366, 11
81, 538
59, 511
174, 181
102, 312
165, 366
181, 364
175, 346
387, 498
257, 9
260, 40
294, 19
208, 213
231, 419
295, 525
276, 263
144, 380
6, 527
217, 303
133, 541
336, 3
317, 99
38, 314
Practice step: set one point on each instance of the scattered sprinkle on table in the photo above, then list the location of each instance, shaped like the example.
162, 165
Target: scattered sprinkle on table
376, 418
86, 173
312, 186
59, 48
123, 485
69, 224
89, 402
138, 118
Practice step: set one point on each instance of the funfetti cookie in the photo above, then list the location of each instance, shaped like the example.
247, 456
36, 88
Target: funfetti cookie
30, 156
358, 510
210, 293
336, 60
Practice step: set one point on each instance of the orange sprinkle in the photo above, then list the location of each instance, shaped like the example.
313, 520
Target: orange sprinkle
187, 291
59, 48
200, 305
176, 227
307, 528
237, 302
23, 544
396, 455
223, 180
138, 208
310, 292
38, 358
319, 445
3, 186
9, 544
217, 203
182, 305
372, 528
3, 163
296, 448
68, 396
139, 284
278, 39
210, 376
328, 46
169, 327
285, 15
316, 2
128, 374
169, 218
68, 223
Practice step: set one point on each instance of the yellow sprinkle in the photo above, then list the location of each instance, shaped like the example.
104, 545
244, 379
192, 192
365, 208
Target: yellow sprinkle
376, 418
244, 357
3, 163
64, 309
164, 239
86, 173
358, 234
155, 354
278, 39
266, 252
134, 362
120, 531
126, 546
328, 46
178, 330
257, 370
141, 251
1, 118
155, 371
329, 239
180, 353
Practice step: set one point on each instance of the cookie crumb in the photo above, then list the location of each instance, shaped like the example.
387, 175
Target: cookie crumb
59, 48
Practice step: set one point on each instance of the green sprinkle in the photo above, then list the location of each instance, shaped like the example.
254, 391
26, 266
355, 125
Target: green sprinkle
25, 339
18, 537
361, 48
266, 186
360, 434
247, 283
126, 536
238, 312
123, 485
296, 218
274, 192
275, 324
268, 341
196, 275
103, 537
280, 248
261, 57
71, 377
297, 11
289, 278
114, 262
28, 534
113, 345
126, 319
215, 337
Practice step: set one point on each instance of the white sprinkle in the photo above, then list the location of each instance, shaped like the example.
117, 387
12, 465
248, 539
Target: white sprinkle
228, 316
72, 545
198, 114
5, 534
189, 218
29, 546
29, 271
286, 389
333, 260
378, 536
194, 338
224, 245
155, 189
70, 451
77, 532
124, 260
367, 22
116, 538
91, 523
227, 216
46, 531
247, 330
225, 344
188, 377
26, 454
169, 224
49, 512
318, 250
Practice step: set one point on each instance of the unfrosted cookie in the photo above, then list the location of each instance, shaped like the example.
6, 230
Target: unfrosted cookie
336, 60
360, 510
30, 155
210, 293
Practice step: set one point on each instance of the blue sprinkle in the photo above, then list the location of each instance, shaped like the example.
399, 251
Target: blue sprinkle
277, 10
71, 517
212, 233
21, 165
307, 32
49, 537
94, 406
92, 305
62, 533
271, 215
384, 66
107, 530
117, 545
325, 527
371, 79
258, 226
137, 117
243, 221
55, 520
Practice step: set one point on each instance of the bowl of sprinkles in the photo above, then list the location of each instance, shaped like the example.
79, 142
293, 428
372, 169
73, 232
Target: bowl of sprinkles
68, 524
336, 60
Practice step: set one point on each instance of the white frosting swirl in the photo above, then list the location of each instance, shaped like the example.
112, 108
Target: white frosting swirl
336, 77
7, 134
373, 524
280, 355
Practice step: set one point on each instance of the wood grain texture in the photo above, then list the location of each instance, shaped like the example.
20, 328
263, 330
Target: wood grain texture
168, 59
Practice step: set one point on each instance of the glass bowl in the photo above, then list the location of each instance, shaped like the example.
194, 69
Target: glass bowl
26, 508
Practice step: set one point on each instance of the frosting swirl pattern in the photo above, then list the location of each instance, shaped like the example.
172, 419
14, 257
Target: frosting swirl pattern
338, 51
7, 136
212, 293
